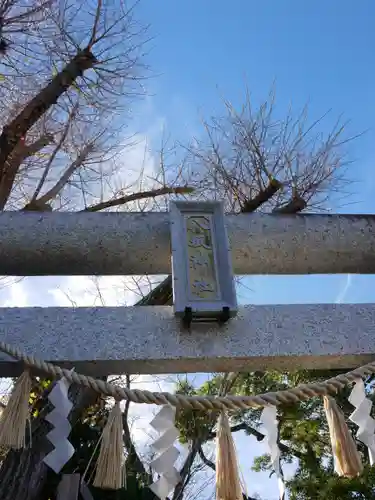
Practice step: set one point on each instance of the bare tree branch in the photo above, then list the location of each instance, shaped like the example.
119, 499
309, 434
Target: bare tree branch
24, 150
36, 146
185, 472
139, 196
43, 177
133, 457
255, 161
294, 206
78, 162
259, 436
252, 204
34, 110
17, 157
13, 132
96, 23
205, 460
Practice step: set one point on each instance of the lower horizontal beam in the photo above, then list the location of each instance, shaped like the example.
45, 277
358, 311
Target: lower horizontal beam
108, 340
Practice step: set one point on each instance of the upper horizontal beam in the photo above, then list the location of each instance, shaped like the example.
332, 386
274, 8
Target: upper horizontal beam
108, 340
34, 244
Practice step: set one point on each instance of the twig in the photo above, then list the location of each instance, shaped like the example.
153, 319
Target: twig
139, 196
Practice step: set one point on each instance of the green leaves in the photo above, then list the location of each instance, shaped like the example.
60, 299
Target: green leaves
328, 486
193, 424
304, 435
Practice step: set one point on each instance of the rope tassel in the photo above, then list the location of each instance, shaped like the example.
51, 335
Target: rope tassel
228, 483
346, 457
15, 415
109, 474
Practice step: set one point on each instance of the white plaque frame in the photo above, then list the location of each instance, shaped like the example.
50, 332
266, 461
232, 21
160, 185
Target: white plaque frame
226, 300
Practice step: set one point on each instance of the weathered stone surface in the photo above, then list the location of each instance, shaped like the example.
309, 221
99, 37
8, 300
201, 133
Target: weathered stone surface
102, 341
139, 243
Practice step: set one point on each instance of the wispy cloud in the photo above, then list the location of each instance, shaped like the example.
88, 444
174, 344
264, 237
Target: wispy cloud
342, 294
15, 295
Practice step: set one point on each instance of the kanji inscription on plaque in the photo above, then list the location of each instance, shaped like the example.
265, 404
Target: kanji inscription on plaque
203, 282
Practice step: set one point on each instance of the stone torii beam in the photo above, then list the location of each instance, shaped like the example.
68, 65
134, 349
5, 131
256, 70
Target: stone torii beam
34, 244
117, 340
103, 341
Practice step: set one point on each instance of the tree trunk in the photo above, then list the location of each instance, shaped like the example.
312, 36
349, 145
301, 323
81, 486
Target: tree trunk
14, 131
178, 492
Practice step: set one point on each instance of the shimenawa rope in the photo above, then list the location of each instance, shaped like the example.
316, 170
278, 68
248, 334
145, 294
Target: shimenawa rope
300, 393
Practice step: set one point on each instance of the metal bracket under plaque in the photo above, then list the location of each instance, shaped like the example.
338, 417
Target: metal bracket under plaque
203, 284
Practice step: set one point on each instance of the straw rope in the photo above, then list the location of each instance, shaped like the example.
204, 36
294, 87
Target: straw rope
300, 393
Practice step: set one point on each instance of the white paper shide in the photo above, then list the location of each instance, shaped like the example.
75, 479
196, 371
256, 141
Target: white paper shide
58, 436
269, 420
361, 417
167, 454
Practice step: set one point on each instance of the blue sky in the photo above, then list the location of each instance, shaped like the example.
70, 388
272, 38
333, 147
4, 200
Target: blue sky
317, 51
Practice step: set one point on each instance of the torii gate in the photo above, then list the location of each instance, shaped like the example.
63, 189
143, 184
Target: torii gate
106, 340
